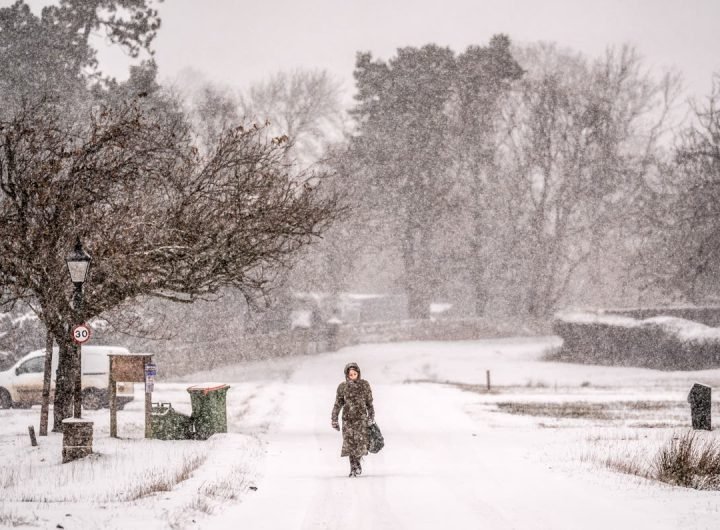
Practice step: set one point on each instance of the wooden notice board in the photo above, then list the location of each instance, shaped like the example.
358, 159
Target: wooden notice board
128, 369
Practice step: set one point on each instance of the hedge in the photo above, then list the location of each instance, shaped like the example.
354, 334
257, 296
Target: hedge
662, 342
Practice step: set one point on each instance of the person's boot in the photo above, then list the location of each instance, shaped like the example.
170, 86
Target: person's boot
358, 468
353, 467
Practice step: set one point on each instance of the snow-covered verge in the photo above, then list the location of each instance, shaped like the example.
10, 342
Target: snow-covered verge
540, 450
131, 482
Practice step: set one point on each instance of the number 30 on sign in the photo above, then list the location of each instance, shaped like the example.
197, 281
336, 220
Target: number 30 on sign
81, 334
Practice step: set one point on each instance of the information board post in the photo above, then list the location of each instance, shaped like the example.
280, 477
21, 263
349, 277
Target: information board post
113, 403
130, 369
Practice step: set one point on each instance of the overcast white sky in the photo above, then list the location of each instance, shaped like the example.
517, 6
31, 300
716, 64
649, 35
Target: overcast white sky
239, 41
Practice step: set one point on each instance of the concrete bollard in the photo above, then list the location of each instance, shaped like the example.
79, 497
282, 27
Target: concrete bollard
77, 439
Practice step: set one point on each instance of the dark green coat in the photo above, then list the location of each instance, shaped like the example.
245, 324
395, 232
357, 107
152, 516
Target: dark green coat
355, 400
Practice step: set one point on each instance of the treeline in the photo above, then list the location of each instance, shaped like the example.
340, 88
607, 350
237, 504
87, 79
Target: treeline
504, 180
517, 180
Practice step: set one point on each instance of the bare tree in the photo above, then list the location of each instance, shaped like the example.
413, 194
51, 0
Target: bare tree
303, 105
159, 218
214, 110
680, 248
582, 139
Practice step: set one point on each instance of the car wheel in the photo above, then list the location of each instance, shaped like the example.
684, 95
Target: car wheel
92, 400
5, 399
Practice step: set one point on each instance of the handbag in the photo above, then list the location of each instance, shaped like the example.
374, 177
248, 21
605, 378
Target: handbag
375, 437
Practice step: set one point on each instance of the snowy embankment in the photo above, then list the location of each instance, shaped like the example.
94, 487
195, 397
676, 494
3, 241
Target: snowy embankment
532, 453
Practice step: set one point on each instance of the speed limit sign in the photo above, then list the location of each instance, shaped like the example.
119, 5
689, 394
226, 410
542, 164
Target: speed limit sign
81, 333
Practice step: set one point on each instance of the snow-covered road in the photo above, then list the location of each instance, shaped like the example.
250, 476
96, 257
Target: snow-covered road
442, 465
453, 459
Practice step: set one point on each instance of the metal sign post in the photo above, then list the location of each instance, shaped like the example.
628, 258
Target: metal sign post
80, 335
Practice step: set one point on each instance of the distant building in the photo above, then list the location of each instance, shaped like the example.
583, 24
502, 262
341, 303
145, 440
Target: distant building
313, 309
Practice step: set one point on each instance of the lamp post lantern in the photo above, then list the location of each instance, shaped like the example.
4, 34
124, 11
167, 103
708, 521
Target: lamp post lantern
78, 263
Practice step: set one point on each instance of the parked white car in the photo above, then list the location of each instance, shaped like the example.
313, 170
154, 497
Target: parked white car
21, 386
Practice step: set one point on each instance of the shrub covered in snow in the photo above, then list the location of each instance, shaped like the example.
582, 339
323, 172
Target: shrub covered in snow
689, 462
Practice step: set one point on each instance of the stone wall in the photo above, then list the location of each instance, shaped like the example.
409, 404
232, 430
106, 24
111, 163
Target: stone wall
190, 357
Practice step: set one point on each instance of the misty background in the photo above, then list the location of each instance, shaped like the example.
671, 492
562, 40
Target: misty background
535, 167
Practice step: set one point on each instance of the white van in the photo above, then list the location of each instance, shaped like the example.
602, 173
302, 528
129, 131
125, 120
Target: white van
21, 386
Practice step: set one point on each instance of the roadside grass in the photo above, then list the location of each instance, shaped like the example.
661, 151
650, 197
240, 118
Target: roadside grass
201, 504
531, 386
631, 466
10, 518
228, 487
689, 461
157, 481
479, 389
119, 470
647, 414
639, 413
575, 410
215, 493
212, 494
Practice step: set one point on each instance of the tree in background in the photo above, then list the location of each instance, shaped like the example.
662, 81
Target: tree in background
303, 108
485, 76
303, 105
582, 140
52, 55
680, 247
402, 152
214, 110
425, 152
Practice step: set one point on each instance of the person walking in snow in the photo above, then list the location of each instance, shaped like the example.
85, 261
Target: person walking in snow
354, 398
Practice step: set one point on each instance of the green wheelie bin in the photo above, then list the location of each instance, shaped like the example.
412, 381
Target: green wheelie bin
209, 409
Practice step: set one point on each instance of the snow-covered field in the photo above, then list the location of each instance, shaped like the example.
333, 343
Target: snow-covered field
530, 454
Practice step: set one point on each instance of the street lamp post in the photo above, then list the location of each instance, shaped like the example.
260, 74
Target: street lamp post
78, 263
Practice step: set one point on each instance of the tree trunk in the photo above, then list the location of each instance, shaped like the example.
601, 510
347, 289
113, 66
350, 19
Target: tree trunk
478, 267
478, 167
418, 303
415, 286
535, 286
64, 383
47, 376
481, 296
